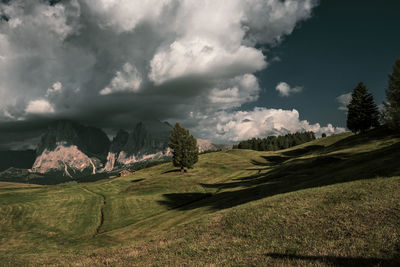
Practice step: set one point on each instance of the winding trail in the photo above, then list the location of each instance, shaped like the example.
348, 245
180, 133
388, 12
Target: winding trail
103, 199
160, 214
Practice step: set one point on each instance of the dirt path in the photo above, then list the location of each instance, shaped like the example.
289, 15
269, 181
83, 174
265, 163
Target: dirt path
103, 204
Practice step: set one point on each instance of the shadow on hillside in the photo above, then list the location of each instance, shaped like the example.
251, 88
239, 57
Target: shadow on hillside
338, 261
304, 151
137, 180
173, 170
270, 161
180, 200
292, 176
362, 138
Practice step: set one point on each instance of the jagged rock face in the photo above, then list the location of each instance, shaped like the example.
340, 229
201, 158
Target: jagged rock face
66, 158
71, 148
89, 140
147, 138
147, 141
205, 145
111, 160
119, 141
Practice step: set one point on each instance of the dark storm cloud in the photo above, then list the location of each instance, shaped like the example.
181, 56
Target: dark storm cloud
113, 63
21, 135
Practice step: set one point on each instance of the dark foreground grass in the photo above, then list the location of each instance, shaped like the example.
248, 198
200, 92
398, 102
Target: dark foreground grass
333, 201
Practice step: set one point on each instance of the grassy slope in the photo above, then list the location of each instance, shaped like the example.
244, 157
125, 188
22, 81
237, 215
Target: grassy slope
296, 206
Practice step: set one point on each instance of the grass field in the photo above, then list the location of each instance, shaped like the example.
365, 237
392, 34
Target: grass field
333, 201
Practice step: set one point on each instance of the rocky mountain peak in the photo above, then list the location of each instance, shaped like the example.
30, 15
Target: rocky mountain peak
71, 148
119, 141
147, 140
89, 140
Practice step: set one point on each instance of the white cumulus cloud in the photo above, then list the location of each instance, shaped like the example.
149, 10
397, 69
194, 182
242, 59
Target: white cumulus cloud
284, 89
234, 92
125, 15
54, 89
40, 106
126, 80
200, 57
267, 21
259, 122
344, 100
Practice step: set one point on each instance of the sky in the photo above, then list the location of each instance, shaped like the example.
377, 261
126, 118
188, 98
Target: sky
226, 70
342, 44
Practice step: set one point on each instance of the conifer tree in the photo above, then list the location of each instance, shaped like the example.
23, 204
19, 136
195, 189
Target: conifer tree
184, 146
362, 110
392, 107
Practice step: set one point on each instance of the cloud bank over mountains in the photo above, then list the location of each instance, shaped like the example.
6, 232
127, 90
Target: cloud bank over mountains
108, 62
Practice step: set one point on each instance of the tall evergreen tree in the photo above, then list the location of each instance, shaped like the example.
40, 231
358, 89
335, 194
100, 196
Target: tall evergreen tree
362, 110
184, 146
392, 108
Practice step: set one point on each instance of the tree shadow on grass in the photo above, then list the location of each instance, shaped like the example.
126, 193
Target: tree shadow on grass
291, 176
303, 151
173, 170
183, 199
338, 261
290, 172
380, 133
270, 160
137, 180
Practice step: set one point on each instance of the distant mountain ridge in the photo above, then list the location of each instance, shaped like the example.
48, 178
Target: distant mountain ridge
147, 141
71, 149
207, 146
75, 149
90, 140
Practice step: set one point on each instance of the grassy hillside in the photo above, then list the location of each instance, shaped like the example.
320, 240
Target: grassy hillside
332, 201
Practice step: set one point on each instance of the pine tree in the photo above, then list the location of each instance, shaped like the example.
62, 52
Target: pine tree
392, 108
184, 146
362, 110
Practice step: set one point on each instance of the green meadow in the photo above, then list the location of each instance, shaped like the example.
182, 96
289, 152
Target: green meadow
332, 201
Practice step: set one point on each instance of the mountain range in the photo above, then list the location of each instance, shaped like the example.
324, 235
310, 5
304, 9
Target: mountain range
71, 149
